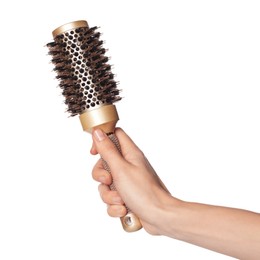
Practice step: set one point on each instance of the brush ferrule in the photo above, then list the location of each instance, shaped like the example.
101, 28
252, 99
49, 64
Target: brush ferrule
104, 117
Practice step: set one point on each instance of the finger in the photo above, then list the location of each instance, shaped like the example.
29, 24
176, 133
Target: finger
100, 174
128, 147
108, 196
107, 150
93, 149
116, 211
110, 153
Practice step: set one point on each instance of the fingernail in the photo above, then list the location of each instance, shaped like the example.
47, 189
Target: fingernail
99, 135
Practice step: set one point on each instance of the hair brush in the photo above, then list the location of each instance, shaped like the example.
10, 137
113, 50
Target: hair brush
88, 86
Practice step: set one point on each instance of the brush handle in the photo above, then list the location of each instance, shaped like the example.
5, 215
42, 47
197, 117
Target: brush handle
130, 221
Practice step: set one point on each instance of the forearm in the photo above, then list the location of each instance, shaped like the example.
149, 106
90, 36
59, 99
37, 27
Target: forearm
229, 231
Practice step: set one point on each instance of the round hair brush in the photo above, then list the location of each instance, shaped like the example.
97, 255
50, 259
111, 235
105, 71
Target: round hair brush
88, 85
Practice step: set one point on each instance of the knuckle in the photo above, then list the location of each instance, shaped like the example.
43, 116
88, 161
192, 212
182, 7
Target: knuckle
116, 210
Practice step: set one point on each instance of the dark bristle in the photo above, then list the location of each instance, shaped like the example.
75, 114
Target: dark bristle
82, 69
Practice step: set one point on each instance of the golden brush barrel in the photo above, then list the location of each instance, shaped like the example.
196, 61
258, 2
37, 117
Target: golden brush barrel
88, 85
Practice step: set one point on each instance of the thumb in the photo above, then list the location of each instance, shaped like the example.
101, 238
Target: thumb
107, 149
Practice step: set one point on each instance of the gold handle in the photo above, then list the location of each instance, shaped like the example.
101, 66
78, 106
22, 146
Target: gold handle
105, 118
130, 221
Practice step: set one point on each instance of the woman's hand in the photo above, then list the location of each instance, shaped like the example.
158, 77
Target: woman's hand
137, 184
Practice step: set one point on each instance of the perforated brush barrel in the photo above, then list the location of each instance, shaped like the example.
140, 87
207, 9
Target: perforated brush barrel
88, 85
84, 74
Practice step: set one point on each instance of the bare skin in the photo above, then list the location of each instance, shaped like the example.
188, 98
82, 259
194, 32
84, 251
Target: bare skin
230, 231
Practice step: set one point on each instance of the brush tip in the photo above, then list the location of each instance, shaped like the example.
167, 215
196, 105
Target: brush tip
69, 26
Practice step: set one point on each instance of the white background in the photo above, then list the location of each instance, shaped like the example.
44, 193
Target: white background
189, 74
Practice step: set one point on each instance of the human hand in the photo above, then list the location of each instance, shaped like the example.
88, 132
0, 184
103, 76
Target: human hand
137, 184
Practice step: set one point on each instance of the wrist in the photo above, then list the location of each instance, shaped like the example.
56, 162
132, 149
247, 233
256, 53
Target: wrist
169, 214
